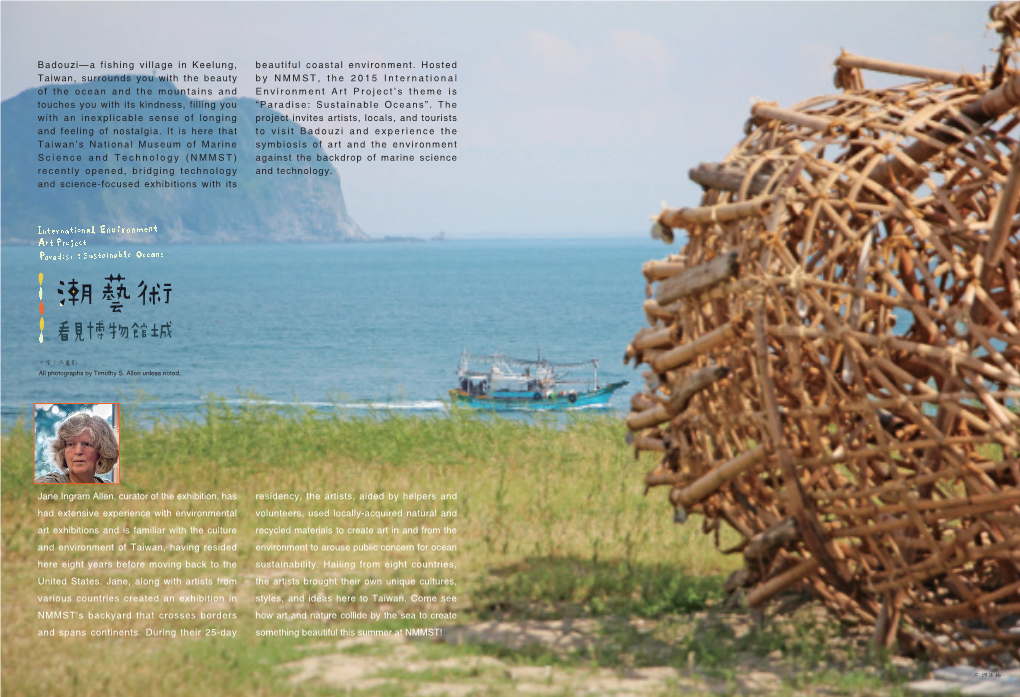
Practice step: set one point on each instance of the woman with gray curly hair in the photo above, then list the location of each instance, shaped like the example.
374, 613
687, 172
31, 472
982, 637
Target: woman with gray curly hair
85, 445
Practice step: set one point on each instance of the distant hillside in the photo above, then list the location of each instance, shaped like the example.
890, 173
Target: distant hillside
275, 208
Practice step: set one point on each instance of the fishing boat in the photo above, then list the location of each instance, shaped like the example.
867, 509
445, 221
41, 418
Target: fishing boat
498, 381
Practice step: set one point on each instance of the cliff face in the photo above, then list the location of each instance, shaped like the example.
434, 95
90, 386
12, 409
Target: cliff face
262, 208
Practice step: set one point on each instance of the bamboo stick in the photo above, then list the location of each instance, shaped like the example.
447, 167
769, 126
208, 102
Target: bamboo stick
654, 478
679, 400
659, 270
724, 213
1002, 223
995, 103
717, 478
725, 290
1013, 284
659, 414
770, 111
848, 60
647, 443
655, 338
685, 353
698, 279
695, 383
778, 584
655, 312
727, 177
884, 635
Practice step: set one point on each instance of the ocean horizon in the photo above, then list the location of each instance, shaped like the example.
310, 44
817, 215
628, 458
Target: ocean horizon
355, 327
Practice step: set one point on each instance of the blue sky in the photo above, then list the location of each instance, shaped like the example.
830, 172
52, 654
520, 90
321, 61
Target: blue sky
575, 119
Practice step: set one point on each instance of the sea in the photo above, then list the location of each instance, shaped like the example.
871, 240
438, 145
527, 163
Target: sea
363, 327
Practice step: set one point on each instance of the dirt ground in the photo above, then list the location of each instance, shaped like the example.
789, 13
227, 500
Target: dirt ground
410, 666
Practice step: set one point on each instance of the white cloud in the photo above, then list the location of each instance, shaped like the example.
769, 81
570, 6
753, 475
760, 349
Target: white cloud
643, 51
558, 54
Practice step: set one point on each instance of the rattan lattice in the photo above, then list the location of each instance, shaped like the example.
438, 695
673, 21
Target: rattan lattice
834, 361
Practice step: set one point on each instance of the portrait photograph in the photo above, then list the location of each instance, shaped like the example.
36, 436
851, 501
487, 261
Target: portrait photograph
77, 443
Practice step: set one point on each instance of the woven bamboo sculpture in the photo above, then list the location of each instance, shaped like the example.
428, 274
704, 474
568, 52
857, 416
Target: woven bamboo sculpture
835, 361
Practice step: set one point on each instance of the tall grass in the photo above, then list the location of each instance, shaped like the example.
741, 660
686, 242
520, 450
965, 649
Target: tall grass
551, 519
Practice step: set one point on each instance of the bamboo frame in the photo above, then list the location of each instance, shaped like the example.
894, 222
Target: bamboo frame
871, 401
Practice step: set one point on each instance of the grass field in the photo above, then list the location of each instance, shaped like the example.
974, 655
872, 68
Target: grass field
551, 522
